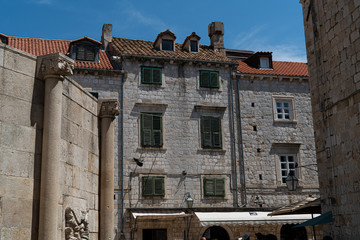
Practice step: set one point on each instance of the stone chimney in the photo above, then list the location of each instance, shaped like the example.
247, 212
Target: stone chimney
216, 34
106, 36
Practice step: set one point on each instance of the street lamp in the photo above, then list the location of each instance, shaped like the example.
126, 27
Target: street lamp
291, 181
189, 201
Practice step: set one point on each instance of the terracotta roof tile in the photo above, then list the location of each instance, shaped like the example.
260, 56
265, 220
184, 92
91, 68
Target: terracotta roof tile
38, 47
298, 69
132, 47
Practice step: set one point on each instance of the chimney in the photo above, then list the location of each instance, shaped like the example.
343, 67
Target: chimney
106, 36
216, 34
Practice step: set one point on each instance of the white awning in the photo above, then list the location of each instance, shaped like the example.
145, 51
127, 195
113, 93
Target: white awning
159, 215
248, 218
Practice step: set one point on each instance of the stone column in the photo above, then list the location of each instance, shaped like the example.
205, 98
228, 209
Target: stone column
52, 68
108, 110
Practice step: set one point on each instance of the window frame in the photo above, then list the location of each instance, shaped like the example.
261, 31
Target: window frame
291, 109
264, 60
212, 132
145, 179
88, 47
195, 44
152, 131
210, 84
287, 168
214, 192
151, 81
169, 41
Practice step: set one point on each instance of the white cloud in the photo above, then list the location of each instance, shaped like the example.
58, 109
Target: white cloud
255, 40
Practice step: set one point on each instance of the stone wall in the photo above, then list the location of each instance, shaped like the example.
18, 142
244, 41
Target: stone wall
262, 135
333, 49
21, 125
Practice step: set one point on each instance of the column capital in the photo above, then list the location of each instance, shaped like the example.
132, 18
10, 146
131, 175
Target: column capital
55, 65
109, 108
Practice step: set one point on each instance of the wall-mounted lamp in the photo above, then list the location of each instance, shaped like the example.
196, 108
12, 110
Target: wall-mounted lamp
189, 201
291, 181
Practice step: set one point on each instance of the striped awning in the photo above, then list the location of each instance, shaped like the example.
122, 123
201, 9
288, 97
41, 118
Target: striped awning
248, 218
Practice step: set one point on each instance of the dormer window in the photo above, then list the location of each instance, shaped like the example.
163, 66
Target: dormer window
191, 43
194, 46
3, 38
167, 45
165, 41
85, 49
264, 62
260, 60
85, 52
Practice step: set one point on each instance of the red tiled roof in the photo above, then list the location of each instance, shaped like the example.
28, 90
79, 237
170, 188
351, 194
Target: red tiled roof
298, 69
132, 47
38, 47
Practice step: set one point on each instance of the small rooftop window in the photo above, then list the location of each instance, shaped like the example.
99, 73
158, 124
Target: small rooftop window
264, 62
167, 45
85, 52
194, 46
85, 49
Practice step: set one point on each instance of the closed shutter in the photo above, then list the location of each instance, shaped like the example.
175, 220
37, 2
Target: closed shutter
80, 52
220, 187
204, 78
157, 75
146, 75
216, 132
214, 79
159, 186
147, 186
206, 132
146, 130
209, 187
89, 53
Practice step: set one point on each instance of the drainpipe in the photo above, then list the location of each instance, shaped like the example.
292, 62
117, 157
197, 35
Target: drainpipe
122, 154
241, 149
231, 112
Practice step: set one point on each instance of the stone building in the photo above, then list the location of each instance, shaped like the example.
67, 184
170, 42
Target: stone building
201, 145
333, 50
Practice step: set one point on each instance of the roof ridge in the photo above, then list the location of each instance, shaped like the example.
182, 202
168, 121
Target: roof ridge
46, 39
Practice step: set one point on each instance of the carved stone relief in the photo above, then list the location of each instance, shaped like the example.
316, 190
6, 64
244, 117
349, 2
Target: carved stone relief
76, 225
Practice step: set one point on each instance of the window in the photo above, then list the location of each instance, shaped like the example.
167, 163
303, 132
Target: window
154, 234
194, 46
153, 186
151, 75
284, 110
214, 187
167, 45
211, 132
85, 52
264, 62
151, 130
209, 79
287, 164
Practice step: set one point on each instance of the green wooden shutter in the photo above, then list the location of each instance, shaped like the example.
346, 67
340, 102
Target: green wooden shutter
206, 132
156, 75
146, 75
216, 132
147, 186
157, 131
220, 187
146, 129
209, 187
159, 186
204, 79
214, 79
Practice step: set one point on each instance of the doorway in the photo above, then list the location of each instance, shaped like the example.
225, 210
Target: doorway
289, 233
216, 233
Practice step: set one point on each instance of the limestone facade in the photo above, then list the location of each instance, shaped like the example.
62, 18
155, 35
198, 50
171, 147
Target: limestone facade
333, 49
22, 125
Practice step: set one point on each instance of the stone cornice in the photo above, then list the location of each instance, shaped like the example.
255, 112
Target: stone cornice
109, 108
55, 65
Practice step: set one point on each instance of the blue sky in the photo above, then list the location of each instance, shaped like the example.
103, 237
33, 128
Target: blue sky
258, 25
